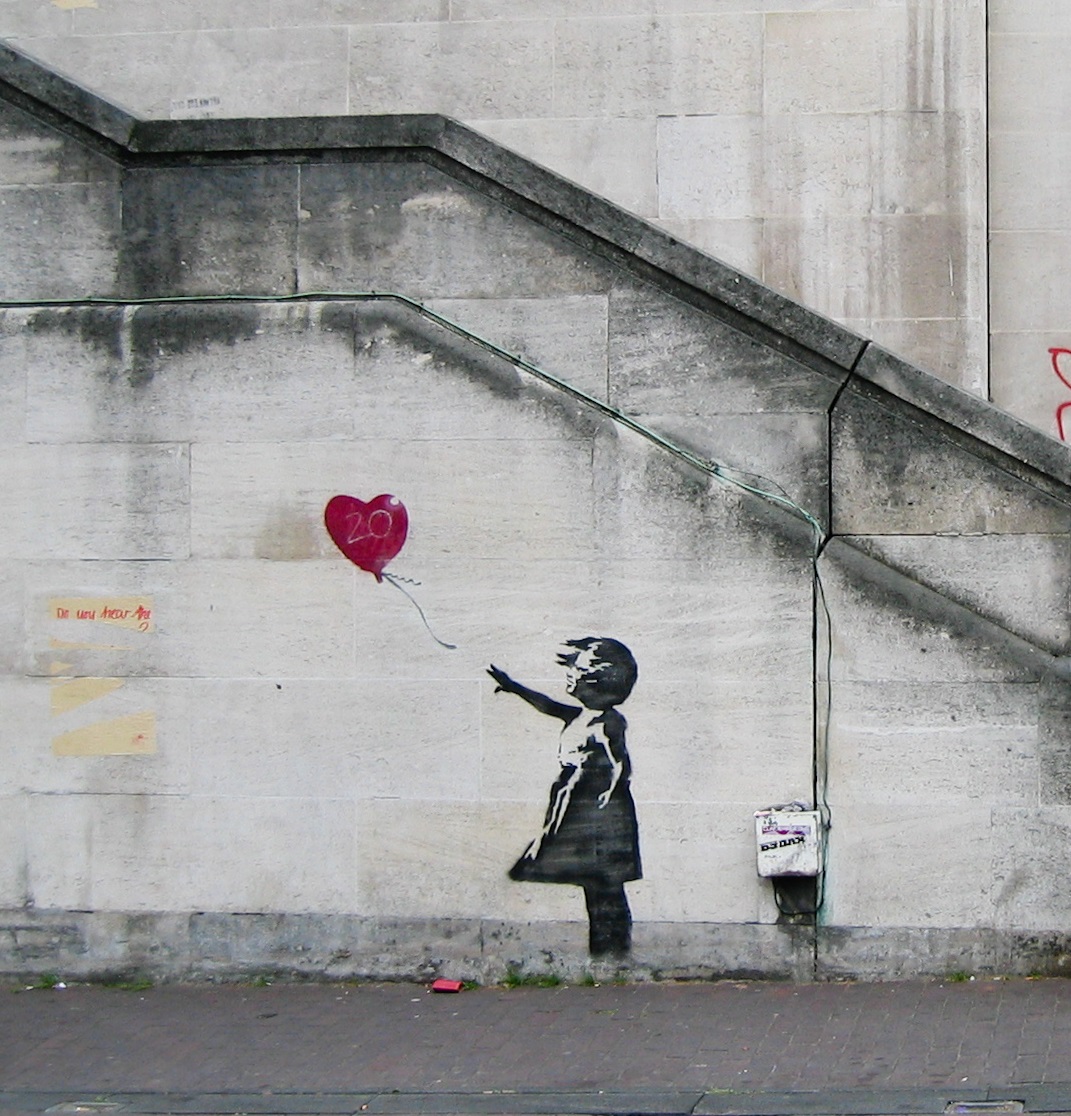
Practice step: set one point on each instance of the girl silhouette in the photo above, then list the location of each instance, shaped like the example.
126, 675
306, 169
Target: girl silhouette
589, 836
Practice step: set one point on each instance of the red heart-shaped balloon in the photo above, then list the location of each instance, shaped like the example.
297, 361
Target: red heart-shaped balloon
371, 534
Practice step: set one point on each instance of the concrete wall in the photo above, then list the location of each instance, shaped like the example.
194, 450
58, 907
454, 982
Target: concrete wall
261, 760
1029, 228
945, 733
835, 150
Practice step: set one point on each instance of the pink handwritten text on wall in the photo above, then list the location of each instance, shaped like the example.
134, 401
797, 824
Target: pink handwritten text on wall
128, 612
1064, 376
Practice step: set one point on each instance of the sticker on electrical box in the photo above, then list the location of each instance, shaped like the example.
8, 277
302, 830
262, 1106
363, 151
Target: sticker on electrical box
788, 842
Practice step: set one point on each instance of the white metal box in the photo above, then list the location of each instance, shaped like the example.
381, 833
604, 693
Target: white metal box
789, 842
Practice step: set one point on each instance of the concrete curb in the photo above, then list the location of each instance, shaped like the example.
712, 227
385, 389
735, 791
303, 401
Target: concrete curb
1052, 1098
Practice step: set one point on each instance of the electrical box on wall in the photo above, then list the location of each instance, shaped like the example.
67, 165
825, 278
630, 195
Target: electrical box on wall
789, 842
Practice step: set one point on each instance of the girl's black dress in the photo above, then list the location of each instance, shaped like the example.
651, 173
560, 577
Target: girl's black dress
582, 843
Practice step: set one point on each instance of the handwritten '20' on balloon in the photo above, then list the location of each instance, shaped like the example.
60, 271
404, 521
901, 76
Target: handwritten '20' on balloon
369, 534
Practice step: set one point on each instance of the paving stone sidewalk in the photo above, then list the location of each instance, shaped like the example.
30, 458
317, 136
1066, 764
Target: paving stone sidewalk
707, 1049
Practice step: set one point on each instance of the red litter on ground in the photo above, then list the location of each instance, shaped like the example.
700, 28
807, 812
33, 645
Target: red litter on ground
441, 985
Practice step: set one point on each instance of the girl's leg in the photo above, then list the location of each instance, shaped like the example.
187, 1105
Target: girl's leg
609, 920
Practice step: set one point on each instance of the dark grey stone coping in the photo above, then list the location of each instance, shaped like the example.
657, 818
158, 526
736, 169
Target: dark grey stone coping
1025, 661
1049, 1098
691, 274
58, 93
967, 414
293, 136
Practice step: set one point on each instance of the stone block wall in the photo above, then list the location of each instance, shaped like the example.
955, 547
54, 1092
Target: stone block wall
1029, 230
834, 150
232, 751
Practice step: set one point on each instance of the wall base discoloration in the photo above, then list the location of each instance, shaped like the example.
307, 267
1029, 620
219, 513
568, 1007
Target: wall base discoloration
221, 946
224, 946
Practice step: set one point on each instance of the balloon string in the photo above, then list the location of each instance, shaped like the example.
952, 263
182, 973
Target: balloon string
396, 583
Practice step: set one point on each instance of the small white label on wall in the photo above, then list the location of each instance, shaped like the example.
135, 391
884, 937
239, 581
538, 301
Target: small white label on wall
195, 108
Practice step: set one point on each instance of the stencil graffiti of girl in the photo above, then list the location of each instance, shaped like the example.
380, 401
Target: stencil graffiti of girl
589, 836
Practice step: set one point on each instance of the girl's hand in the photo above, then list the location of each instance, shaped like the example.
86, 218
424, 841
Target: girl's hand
604, 798
503, 681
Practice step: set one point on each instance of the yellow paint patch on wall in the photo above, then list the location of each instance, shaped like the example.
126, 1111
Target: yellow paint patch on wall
60, 668
69, 645
70, 695
127, 612
70, 5
124, 736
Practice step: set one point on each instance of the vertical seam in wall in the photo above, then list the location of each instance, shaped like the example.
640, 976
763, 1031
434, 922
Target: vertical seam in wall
1040, 687
297, 228
355, 345
190, 556
26, 892
657, 158
122, 180
829, 439
126, 337
988, 368
606, 311
349, 67
815, 730
553, 68
762, 206
820, 717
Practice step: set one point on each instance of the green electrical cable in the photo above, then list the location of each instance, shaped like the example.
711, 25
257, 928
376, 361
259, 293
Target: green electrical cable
720, 472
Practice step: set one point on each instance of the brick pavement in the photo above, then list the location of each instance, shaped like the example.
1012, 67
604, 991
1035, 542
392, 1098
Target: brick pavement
688, 1044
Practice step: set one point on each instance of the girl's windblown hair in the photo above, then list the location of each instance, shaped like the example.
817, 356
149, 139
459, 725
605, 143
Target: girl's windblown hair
610, 665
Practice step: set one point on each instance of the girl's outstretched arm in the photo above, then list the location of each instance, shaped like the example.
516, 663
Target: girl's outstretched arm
534, 698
